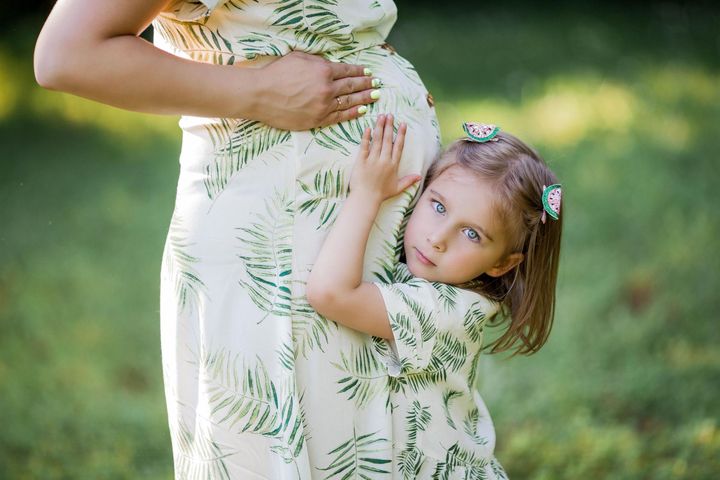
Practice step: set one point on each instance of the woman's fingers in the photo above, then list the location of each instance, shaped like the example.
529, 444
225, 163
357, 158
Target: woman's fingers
365, 97
339, 116
349, 86
343, 70
352, 95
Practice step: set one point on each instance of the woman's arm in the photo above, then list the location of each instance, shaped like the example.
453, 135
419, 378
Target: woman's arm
335, 287
92, 48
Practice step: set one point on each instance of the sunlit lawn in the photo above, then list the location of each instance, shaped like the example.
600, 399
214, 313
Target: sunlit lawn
626, 108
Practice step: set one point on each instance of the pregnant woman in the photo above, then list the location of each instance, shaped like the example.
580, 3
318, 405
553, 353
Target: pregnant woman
275, 96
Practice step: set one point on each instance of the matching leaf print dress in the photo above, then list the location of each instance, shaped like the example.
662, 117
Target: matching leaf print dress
258, 385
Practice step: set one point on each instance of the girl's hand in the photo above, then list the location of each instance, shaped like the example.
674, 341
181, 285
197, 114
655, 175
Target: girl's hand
375, 174
303, 91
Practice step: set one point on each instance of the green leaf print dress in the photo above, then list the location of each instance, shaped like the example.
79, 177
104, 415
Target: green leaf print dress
259, 386
441, 426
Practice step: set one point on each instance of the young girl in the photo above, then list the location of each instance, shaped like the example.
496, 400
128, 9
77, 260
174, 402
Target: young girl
484, 238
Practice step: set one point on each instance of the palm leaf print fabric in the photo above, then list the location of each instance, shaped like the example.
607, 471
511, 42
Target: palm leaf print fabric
258, 385
441, 427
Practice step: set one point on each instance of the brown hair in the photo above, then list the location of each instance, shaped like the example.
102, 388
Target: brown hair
526, 293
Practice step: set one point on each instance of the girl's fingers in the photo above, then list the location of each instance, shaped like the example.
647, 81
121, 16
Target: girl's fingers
365, 144
387, 141
377, 136
407, 181
399, 143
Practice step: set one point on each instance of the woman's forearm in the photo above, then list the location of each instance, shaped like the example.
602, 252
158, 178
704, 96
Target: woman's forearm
92, 48
128, 72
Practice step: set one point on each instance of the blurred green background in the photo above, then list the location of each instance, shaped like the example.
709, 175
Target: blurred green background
624, 103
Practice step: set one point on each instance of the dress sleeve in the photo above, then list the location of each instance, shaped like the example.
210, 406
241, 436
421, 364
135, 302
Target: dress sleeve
415, 314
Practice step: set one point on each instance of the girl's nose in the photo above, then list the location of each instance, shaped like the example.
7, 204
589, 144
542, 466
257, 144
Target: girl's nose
436, 241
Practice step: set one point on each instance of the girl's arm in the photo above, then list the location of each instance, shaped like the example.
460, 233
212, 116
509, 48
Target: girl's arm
91, 48
335, 287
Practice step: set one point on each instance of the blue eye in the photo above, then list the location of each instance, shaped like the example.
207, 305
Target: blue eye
472, 235
438, 207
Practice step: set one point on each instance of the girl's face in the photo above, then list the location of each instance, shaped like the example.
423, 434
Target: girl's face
453, 234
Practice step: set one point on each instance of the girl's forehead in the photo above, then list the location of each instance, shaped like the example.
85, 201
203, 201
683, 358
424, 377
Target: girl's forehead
459, 176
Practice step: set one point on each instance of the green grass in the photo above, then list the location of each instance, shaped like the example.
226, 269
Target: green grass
626, 109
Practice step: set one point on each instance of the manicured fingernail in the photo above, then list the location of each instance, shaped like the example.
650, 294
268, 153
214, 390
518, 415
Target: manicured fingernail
376, 82
362, 110
367, 72
375, 94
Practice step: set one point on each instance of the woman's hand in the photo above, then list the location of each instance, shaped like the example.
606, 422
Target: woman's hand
375, 174
305, 91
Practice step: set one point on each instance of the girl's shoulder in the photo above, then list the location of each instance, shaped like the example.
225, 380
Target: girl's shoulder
442, 297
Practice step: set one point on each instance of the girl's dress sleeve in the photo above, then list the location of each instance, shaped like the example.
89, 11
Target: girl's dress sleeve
427, 318
413, 314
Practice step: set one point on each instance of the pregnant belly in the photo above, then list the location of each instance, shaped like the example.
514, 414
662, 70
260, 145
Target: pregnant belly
240, 172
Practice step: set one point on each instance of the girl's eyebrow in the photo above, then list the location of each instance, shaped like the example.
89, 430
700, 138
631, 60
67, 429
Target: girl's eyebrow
474, 225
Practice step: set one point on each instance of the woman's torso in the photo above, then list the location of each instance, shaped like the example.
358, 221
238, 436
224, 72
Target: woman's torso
253, 206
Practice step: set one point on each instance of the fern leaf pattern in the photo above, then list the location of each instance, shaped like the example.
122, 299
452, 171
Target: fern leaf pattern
311, 332
267, 255
410, 459
236, 144
455, 458
198, 455
364, 378
448, 395
245, 398
188, 286
447, 294
361, 456
325, 194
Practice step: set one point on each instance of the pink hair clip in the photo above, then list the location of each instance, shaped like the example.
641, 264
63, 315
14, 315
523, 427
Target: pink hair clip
481, 132
551, 199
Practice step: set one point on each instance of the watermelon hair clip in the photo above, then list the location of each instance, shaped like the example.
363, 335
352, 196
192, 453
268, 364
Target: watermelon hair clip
481, 132
551, 198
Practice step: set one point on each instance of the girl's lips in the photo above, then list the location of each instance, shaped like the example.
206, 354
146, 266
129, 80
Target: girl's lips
423, 259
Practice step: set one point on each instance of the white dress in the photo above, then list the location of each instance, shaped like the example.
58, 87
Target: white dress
258, 386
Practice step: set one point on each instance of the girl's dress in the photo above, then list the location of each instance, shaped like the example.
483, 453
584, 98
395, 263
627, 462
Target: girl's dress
442, 429
258, 386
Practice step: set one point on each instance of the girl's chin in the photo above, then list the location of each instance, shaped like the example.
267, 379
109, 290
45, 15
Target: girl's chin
417, 270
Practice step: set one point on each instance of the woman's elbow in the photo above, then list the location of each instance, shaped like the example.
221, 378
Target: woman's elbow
45, 76
48, 66
58, 60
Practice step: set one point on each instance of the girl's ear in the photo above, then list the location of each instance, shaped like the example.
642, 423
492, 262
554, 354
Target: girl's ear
506, 264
